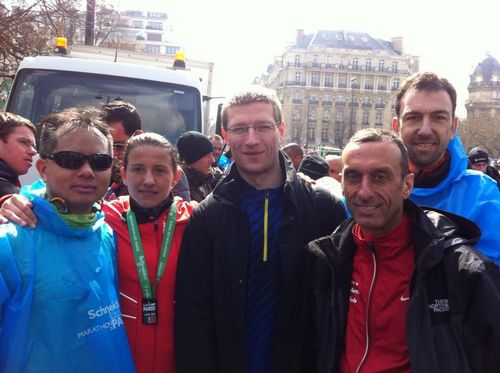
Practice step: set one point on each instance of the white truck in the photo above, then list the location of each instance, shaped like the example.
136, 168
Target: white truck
170, 101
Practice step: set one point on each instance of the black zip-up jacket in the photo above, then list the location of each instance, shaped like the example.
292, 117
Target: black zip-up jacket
212, 277
453, 320
9, 180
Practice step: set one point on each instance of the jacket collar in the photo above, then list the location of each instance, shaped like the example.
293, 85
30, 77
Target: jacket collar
429, 227
230, 191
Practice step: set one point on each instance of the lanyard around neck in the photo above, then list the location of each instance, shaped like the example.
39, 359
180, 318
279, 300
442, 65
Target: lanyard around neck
140, 261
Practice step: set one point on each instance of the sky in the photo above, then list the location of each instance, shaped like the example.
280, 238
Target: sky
243, 37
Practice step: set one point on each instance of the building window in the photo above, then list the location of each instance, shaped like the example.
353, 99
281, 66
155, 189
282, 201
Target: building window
382, 83
339, 116
155, 26
395, 84
296, 132
355, 63
328, 62
298, 77
312, 115
152, 48
153, 37
342, 81
366, 118
368, 64
381, 64
137, 24
314, 80
378, 118
311, 133
328, 80
324, 134
379, 103
494, 94
171, 50
369, 82
340, 101
326, 116
395, 67
295, 115
341, 63
315, 61
297, 98
297, 61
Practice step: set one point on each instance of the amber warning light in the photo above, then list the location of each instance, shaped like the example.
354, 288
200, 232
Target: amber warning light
61, 46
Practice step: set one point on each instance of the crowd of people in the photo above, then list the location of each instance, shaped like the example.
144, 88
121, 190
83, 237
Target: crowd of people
135, 254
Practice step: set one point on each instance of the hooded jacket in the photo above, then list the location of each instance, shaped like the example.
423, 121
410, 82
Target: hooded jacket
58, 297
152, 345
468, 193
212, 277
452, 323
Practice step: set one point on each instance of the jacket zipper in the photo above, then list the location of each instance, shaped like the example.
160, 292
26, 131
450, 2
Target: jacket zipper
367, 332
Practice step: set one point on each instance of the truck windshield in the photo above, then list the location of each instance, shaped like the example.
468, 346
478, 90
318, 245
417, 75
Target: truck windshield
165, 108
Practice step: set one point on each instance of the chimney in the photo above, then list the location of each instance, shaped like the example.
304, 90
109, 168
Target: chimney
397, 44
300, 36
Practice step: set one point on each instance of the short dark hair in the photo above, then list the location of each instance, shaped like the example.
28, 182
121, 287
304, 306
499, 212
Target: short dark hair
150, 139
121, 111
251, 95
426, 82
65, 121
379, 135
9, 121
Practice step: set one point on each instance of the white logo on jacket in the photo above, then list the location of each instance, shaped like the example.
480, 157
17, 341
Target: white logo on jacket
440, 305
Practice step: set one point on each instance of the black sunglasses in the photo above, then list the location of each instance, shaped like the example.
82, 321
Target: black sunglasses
74, 160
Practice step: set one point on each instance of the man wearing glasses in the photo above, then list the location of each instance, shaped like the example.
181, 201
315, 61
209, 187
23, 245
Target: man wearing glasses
241, 290
58, 298
124, 121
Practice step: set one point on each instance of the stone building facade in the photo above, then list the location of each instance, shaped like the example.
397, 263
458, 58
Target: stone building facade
332, 83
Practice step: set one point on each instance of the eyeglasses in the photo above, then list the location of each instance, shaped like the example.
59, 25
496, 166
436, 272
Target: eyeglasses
261, 128
74, 160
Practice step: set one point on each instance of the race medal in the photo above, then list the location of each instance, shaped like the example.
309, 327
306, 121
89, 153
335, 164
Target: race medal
149, 311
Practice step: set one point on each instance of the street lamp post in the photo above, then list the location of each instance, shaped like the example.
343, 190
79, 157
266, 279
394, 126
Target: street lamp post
351, 123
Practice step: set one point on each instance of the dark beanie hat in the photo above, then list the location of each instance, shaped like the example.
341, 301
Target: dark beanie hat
478, 154
192, 146
314, 166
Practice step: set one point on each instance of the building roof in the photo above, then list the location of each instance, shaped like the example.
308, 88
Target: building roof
487, 68
346, 40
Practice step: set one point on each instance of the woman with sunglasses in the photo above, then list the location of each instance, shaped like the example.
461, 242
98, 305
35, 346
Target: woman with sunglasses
58, 297
149, 226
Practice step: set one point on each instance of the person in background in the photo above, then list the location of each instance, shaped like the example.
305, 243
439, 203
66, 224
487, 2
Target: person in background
398, 288
60, 307
124, 121
196, 153
17, 149
335, 166
221, 160
241, 296
295, 153
426, 122
479, 160
314, 166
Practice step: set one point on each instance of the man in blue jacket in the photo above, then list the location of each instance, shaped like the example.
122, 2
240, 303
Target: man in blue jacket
426, 121
59, 309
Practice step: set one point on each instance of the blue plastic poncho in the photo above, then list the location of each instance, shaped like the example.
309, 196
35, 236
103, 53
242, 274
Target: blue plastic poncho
58, 298
469, 193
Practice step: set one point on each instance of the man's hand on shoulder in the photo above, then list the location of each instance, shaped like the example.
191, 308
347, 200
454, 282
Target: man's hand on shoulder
18, 209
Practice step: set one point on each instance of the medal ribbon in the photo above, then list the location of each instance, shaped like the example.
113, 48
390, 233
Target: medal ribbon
140, 261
